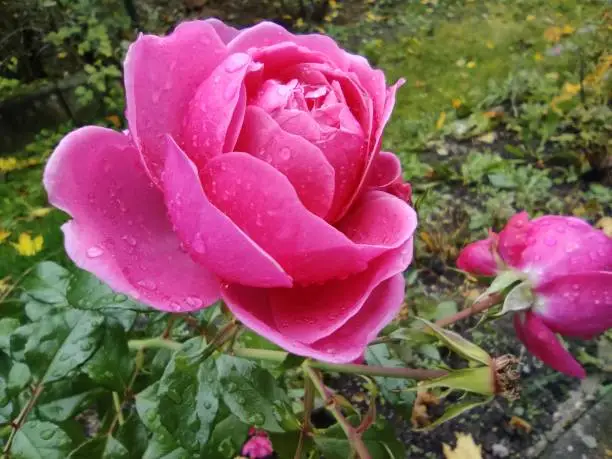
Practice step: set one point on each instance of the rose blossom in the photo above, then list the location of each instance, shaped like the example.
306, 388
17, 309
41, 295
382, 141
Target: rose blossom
566, 268
251, 172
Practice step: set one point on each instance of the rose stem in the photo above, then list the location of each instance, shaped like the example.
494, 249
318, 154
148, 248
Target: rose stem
330, 403
479, 306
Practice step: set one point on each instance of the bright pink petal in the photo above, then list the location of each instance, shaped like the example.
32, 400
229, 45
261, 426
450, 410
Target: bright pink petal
216, 112
379, 222
577, 305
372, 310
267, 34
373, 81
513, 239
282, 55
558, 245
120, 230
542, 342
263, 203
257, 447
226, 33
308, 314
477, 257
209, 235
162, 74
299, 123
385, 170
383, 304
299, 160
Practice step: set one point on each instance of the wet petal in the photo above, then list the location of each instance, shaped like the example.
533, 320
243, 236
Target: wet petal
477, 257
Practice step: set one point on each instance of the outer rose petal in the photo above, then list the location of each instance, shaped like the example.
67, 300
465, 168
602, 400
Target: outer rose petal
263, 203
226, 33
559, 245
267, 34
216, 111
120, 230
209, 235
385, 170
477, 257
513, 239
577, 305
542, 342
299, 160
252, 307
161, 76
308, 314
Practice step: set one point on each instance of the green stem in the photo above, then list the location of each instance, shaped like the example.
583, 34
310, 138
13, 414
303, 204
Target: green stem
22, 417
330, 403
404, 373
153, 343
487, 302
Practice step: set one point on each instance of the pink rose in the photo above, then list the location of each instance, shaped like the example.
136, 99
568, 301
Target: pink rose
251, 172
258, 446
566, 268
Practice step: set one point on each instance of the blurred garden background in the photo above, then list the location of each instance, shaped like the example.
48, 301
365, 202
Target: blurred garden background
506, 108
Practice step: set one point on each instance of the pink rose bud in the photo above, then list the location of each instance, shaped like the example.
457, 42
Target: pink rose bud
252, 173
258, 446
565, 266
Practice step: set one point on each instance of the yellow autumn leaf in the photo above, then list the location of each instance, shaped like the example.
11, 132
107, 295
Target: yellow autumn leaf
530, 18
490, 44
471, 65
114, 120
8, 164
441, 121
605, 224
28, 246
465, 449
4, 235
567, 29
40, 212
456, 103
538, 57
553, 34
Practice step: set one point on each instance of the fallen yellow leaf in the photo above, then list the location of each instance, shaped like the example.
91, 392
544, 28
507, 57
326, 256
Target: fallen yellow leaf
553, 34
28, 246
489, 137
520, 423
114, 120
40, 212
567, 29
465, 449
4, 235
538, 57
530, 18
605, 223
456, 103
471, 65
490, 44
441, 121
8, 164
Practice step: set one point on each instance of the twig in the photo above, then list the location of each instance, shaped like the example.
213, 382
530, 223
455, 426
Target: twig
306, 424
353, 436
22, 416
476, 308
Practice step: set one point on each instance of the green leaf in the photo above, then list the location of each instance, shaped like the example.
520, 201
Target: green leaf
453, 411
133, 435
162, 448
111, 366
7, 326
45, 289
253, 395
291, 361
40, 440
380, 440
518, 299
18, 378
445, 309
62, 409
458, 343
188, 403
227, 438
57, 344
393, 390
105, 447
479, 380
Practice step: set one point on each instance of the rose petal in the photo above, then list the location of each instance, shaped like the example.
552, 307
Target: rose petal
542, 342
161, 76
216, 112
379, 222
513, 239
558, 245
386, 169
308, 314
226, 33
120, 230
578, 304
210, 236
477, 257
263, 203
299, 160
267, 34
299, 123
373, 81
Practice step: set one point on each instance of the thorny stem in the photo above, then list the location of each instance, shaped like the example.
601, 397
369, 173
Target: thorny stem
21, 417
332, 406
153, 343
479, 306
405, 373
306, 424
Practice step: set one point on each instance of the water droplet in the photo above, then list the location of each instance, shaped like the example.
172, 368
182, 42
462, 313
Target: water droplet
155, 96
63, 357
576, 287
47, 434
86, 346
550, 241
230, 91
285, 153
231, 387
147, 284
256, 419
241, 400
207, 405
198, 243
236, 61
258, 220
129, 240
193, 302
94, 252
175, 397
